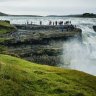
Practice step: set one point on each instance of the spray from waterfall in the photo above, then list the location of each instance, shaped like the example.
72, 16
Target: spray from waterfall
81, 56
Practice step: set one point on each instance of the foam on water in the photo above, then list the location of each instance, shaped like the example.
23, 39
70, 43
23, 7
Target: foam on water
82, 56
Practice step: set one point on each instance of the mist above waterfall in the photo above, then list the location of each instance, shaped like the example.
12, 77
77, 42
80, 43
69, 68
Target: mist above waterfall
81, 55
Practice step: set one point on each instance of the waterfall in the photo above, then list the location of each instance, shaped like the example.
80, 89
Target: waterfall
81, 56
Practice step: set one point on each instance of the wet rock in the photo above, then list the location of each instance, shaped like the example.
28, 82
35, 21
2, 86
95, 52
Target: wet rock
94, 27
40, 44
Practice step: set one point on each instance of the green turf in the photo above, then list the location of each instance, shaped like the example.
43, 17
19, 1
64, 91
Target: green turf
22, 78
3, 23
2, 40
5, 30
6, 27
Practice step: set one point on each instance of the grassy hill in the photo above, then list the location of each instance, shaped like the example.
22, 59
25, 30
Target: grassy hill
6, 27
22, 78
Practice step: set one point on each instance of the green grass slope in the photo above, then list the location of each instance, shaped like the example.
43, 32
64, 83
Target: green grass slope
22, 78
6, 27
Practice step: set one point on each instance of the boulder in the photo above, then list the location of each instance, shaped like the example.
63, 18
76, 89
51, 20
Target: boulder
94, 27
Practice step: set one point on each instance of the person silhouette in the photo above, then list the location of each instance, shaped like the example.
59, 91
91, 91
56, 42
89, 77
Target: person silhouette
40, 22
56, 22
50, 22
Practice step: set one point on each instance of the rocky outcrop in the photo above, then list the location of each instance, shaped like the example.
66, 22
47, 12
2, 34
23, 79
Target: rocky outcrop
43, 36
50, 56
94, 27
41, 44
6, 27
3, 14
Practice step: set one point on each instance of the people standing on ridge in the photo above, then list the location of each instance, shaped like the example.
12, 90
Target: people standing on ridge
50, 22
75, 26
53, 23
61, 26
61, 23
40, 22
67, 22
56, 23
27, 22
31, 22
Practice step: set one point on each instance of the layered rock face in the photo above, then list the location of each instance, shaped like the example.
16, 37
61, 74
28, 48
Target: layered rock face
40, 43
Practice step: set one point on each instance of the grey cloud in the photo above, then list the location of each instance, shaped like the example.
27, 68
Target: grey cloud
47, 6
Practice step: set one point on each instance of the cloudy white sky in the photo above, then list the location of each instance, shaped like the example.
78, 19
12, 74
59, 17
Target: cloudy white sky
47, 7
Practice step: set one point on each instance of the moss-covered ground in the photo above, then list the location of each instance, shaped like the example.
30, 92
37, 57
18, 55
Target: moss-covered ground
22, 78
6, 27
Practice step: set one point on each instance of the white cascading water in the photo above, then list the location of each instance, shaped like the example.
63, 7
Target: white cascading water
81, 56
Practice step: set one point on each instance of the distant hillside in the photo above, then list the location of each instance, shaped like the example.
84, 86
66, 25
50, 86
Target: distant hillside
3, 14
91, 15
27, 15
56, 16
76, 15
85, 15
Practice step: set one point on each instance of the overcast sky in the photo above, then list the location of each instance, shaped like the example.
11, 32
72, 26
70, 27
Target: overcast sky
47, 7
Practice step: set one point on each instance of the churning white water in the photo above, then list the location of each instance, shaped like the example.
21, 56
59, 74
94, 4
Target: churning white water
75, 55
79, 57
82, 56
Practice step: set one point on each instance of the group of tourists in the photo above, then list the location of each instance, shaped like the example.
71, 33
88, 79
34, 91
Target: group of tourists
67, 25
55, 23
60, 23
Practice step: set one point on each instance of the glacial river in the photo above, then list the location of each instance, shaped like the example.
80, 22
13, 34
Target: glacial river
77, 56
